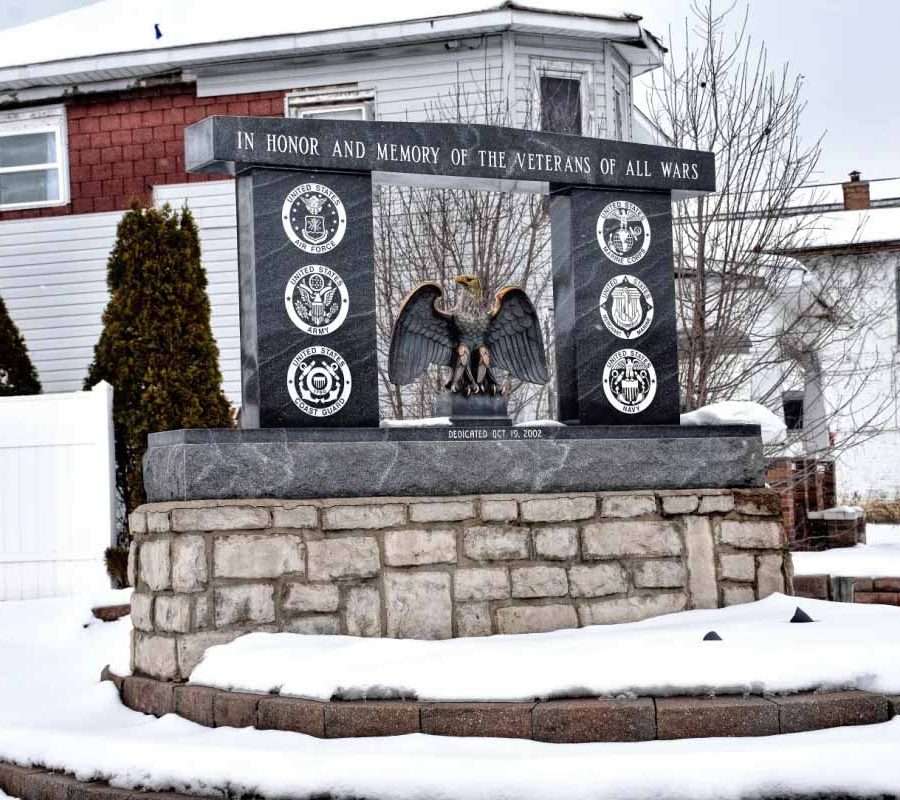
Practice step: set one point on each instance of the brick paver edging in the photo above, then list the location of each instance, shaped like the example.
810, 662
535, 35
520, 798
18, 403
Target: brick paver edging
565, 721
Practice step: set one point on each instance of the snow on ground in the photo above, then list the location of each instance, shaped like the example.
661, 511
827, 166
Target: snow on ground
878, 558
850, 646
54, 713
739, 412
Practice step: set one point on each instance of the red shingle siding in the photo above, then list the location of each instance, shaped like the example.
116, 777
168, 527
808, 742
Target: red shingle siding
121, 144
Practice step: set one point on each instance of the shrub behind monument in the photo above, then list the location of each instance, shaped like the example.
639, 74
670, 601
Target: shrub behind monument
17, 374
157, 348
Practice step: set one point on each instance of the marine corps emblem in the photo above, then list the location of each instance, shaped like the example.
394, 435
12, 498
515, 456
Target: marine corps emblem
623, 232
626, 306
318, 381
316, 300
629, 381
314, 218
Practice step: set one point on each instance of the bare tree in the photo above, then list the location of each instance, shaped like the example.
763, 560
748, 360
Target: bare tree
753, 321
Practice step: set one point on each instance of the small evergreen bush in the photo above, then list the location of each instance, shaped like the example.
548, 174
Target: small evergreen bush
17, 374
156, 349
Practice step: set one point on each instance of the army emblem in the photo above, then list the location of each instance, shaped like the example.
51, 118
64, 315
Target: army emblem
629, 381
318, 381
623, 232
626, 306
314, 218
316, 300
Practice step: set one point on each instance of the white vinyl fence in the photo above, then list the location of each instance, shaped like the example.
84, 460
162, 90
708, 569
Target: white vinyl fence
56, 493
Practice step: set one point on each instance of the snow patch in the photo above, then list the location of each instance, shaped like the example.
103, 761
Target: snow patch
423, 422
739, 412
878, 558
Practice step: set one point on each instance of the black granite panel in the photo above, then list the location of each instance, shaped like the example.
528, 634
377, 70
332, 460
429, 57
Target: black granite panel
229, 144
308, 351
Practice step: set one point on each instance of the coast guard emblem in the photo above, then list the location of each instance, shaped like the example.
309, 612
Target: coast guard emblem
626, 306
314, 218
623, 232
629, 381
316, 300
318, 381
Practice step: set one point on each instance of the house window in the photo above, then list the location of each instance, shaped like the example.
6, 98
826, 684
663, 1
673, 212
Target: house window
33, 163
618, 114
792, 404
330, 103
561, 105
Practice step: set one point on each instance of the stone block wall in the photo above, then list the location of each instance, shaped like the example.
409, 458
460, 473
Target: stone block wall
207, 572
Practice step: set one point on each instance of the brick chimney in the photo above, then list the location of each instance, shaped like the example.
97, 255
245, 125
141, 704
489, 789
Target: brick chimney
856, 193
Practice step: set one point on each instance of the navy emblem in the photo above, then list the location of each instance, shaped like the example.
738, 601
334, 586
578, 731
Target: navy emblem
626, 306
629, 381
623, 232
318, 381
314, 218
316, 300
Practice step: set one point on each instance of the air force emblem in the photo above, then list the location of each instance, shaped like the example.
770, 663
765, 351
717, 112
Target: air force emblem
626, 306
314, 218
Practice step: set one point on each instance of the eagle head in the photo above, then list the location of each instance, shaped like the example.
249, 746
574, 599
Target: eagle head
471, 283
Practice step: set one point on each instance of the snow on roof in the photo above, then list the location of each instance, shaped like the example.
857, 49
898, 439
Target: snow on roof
123, 26
837, 228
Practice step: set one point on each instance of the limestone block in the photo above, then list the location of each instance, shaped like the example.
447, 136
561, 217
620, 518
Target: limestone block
735, 595
659, 574
158, 522
341, 518
769, 575
189, 571
556, 544
452, 511
499, 510
172, 613
535, 619
363, 611
539, 582
257, 555
321, 624
628, 505
192, 646
481, 584
630, 609
630, 538
305, 597
412, 547
244, 603
596, 580
473, 619
680, 503
202, 616
351, 557
220, 518
558, 509
762, 503
295, 517
701, 562
483, 543
748, 534
155, 656
156, 565
137, 523
418, 605
132, 564
716, 503
142, 611
738, 567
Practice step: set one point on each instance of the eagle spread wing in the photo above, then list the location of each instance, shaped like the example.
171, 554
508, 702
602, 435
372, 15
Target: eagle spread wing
513, 337
423, 335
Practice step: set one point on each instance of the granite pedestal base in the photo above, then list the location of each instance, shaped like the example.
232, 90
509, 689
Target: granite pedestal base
453, 460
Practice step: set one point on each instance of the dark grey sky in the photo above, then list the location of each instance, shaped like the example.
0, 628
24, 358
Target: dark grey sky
847, 52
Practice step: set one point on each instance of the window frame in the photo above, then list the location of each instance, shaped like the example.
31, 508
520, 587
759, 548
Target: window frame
44, 119
582, 71
331, 98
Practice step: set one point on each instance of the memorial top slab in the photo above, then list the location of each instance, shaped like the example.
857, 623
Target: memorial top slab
229, 145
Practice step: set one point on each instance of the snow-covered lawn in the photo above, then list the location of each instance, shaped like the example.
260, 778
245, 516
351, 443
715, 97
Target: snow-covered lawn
878, 558
54, 713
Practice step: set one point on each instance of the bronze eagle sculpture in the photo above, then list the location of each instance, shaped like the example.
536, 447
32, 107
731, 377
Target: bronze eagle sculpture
471, 338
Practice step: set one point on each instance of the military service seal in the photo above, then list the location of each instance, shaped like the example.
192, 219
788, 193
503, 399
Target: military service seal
629, 381
316, 300
318, 381
314, 218
623, 232
626, 306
